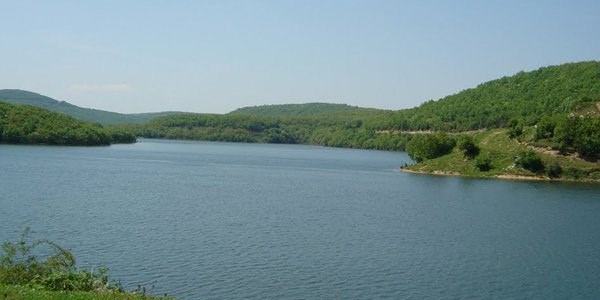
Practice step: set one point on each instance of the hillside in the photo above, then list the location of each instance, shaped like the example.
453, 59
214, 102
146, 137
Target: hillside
498, 155
306, 109
24, 124
85, 114
542, 124
524, 98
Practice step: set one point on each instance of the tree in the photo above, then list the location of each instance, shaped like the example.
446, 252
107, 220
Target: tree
515, 129
587, 140
483, 163
545, 128
529, 160
467, 146
428, 146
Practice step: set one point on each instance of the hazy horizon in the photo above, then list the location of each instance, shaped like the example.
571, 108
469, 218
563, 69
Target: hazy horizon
217, 56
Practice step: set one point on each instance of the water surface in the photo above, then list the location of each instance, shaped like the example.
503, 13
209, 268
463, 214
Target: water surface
228, 221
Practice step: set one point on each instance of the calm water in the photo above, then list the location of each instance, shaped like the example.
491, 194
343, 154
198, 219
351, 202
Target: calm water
233, 221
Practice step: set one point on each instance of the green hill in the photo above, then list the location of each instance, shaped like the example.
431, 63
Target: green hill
541, 124
525, 98
85, 114
306, 109
25, 124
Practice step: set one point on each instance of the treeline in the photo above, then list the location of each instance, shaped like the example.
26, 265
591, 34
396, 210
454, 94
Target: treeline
305, 109
524, 98
561, 101
23, 124
570, 134
334, 130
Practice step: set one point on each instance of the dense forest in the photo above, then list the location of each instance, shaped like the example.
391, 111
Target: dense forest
334, 130
84, 114
306, 109
524, 98
24, 124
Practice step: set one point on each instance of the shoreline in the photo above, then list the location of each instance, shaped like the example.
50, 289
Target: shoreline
503, 177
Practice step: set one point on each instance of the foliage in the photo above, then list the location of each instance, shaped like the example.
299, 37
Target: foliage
39, 269
554, 170
545, 127
483, 163
525, 97
498, 152
15, 292
428, 146
306, 109
19, 266
467, 145
571, 133
529, 160
587, 139
333, 130
515, 129
23, 124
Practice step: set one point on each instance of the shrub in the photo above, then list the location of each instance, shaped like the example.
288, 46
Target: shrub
428, 146
515, 129
483, 163
531, 161
467, 146
56, 271
554, 171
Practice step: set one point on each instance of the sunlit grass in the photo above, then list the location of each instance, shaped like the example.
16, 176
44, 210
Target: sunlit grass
503, 152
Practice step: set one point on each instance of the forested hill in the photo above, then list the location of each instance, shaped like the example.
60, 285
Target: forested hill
525, 98
85, 114
306, 109
24, 124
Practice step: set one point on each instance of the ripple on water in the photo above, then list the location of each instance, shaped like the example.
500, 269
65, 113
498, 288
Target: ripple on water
227, 221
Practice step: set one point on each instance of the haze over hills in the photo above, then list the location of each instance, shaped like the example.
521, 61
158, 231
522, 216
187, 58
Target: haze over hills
86, 114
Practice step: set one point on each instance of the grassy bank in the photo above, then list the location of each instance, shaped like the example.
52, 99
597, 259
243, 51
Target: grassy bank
501, 154
25, 274
16, 292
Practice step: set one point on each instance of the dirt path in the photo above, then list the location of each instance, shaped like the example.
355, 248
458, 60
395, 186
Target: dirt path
428, 132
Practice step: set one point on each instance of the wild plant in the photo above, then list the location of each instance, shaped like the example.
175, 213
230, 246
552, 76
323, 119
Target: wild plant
55, 271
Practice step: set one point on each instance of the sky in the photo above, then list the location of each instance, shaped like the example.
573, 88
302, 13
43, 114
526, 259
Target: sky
215, 56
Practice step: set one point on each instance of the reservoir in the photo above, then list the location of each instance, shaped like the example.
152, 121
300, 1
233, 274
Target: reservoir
203, 220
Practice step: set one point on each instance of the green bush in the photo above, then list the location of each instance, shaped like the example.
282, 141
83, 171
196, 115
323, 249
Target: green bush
554, 171
515, 129
56, 271
467, 146
428, 146
529, 160
483, 163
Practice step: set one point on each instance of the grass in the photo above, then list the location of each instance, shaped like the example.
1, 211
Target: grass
26, 275
16, 292
503, 152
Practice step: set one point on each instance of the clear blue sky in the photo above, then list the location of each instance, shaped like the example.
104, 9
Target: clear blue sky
215, 56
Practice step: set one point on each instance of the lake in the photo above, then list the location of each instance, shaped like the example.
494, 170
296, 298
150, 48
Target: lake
200, 220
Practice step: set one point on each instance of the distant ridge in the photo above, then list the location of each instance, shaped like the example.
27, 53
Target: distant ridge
306, 109
15, 96
26, 124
